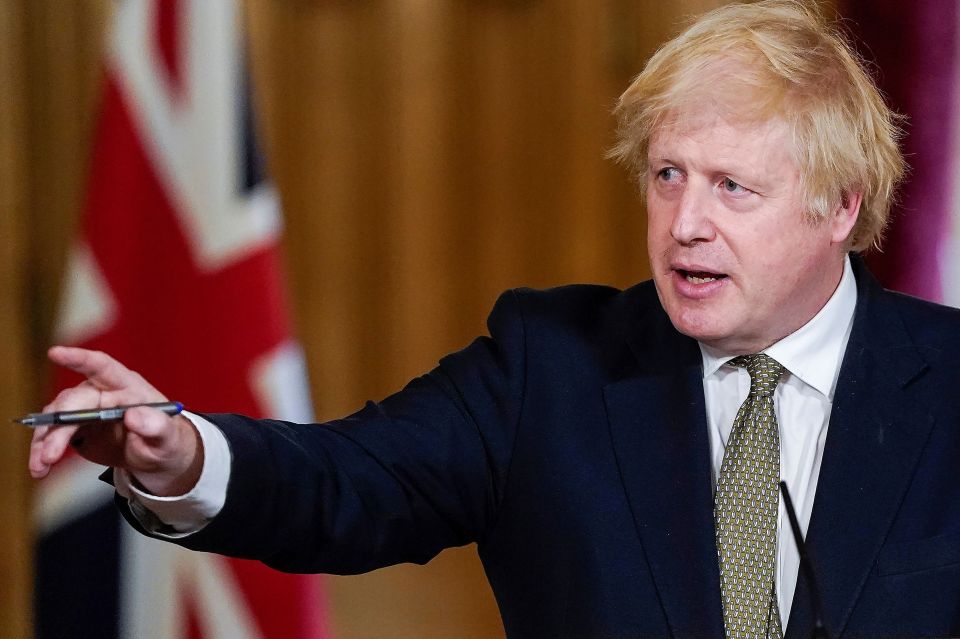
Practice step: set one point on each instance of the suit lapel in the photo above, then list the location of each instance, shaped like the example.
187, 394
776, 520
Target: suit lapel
658, 425
873, 444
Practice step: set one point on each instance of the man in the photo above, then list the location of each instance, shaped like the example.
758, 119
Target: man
615, 454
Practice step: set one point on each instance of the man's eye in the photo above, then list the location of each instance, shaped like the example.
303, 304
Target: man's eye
669, 174
732, 187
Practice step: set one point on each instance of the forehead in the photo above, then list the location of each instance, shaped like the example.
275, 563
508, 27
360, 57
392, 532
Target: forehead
715, 140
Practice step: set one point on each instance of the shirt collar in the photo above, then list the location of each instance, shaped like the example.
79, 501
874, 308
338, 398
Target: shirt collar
814, 351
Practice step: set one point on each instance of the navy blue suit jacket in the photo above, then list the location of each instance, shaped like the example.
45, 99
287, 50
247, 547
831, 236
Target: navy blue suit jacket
572, 447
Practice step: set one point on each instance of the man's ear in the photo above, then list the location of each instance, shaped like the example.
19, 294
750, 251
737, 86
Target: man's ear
844, 216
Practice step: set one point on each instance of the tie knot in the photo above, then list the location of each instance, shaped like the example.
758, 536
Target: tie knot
764, 372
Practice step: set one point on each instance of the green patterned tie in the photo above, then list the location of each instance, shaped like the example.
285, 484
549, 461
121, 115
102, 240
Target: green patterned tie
745, 509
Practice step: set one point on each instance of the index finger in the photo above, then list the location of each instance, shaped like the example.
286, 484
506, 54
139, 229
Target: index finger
101, 369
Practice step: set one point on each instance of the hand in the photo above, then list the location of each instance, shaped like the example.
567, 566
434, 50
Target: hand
163, 453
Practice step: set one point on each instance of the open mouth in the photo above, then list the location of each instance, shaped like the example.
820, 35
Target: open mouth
700, 277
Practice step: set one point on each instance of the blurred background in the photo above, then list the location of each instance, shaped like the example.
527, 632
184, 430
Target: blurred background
428, 154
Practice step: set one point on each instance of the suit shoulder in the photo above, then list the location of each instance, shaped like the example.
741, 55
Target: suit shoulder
927, 322
580, 304
921, 311
579, 323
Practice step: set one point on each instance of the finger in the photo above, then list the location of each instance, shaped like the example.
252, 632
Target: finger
38, 468
48, 447
102, 370
117, 383
83, 395
55, 443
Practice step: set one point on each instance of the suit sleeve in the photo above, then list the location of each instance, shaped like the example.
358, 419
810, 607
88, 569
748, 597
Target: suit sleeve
398, 481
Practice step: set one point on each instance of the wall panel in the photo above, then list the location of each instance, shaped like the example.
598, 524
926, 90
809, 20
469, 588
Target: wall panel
14, 498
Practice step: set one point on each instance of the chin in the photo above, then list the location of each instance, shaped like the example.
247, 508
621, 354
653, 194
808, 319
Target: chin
695, 325
710, 330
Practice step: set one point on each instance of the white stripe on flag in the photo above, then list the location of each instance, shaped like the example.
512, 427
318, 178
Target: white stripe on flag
279, 379
71, 491
88, 307
158, 576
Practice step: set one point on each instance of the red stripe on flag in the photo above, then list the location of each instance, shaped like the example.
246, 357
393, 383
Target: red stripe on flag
168, 42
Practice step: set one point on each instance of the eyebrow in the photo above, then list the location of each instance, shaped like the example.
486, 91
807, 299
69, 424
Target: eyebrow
756, 179
662, 161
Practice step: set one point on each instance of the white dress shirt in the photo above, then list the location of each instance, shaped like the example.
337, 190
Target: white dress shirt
802, 401
812, 356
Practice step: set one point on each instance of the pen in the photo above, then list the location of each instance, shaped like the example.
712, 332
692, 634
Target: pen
92, 415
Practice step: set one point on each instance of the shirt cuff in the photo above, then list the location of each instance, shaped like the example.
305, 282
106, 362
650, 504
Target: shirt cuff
182, 515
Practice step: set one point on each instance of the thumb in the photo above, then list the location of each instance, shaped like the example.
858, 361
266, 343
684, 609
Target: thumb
164, 453
149, 423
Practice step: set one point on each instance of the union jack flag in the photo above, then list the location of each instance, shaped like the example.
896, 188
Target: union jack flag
176, 273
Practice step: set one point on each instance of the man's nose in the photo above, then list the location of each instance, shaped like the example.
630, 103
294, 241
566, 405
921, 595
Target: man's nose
691, 221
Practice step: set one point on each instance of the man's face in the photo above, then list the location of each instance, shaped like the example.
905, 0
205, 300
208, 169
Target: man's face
736, 261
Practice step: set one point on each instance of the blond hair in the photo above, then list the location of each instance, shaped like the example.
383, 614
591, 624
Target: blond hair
777, 58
